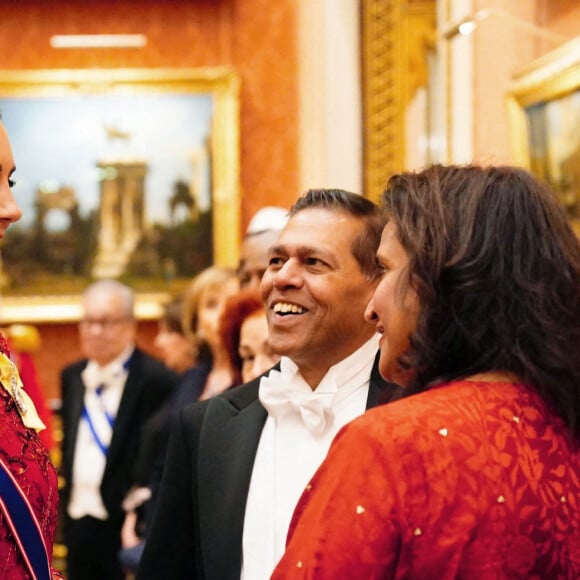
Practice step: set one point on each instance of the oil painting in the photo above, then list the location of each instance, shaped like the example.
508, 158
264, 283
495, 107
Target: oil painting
544, 107
131, 181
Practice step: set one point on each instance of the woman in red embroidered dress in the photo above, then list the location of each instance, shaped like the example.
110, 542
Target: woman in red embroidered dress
21, 450
476, 472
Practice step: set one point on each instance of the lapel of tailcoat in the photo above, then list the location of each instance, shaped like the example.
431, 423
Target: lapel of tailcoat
77, 398
127, 404
229, 440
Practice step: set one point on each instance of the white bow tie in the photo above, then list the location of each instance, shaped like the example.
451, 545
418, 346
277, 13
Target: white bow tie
281, 395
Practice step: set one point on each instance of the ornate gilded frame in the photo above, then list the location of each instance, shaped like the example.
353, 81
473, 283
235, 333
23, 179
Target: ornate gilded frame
396, 35
383, 103
223, 86
554, 76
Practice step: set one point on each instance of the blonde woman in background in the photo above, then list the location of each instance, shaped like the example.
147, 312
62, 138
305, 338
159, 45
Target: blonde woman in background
203, 305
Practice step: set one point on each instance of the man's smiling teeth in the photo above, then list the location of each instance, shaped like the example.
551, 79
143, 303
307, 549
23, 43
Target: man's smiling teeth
285, 308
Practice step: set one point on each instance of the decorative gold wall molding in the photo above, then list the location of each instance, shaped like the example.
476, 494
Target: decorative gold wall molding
396, 36
550, 81
382, 106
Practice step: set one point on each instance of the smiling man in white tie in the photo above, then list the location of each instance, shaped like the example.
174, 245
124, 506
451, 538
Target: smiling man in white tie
237, 464
106, 398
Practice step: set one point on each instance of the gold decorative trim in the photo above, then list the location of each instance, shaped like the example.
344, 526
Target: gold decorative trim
396, 38
555, 73
60, 308
382, 107
546, 79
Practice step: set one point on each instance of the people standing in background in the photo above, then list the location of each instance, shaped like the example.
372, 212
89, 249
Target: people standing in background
179, 354
28, 511
106, 399
236, 464
476, 472
261, 233
195, 336
244, 330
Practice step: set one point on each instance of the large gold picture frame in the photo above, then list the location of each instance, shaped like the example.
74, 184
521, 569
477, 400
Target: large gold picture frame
544, 111
149, 90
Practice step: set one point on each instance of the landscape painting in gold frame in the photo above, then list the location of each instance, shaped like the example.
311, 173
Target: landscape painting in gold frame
130, 174
544, 110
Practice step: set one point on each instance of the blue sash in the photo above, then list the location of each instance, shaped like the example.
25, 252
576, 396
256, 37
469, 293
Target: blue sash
110, 418
24, 525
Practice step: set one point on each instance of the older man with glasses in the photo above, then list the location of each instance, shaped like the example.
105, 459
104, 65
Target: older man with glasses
106, 398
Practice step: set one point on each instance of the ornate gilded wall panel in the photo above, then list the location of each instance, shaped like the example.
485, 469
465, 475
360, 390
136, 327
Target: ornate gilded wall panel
396, 37
383, 113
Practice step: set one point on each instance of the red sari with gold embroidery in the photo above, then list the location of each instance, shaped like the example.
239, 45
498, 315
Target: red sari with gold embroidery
467, 480
24, 454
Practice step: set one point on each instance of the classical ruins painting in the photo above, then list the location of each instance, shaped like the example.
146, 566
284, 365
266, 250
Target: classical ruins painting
544, 111
554, 138
111, 186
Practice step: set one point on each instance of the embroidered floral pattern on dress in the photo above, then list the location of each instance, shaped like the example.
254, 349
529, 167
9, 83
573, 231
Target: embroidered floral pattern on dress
453, 486
29, 462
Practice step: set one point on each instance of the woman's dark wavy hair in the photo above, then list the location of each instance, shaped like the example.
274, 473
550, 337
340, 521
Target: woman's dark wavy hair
496, 266
364, 247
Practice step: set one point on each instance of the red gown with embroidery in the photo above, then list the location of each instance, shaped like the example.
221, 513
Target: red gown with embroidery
24, 454
469, 480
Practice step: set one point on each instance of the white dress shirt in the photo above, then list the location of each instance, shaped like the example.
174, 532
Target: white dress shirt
89, 459
289, 452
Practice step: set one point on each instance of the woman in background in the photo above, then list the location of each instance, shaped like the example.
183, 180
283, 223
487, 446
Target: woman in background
476, 473
203, 305
29, 491
175, 349
179, 354
244, 331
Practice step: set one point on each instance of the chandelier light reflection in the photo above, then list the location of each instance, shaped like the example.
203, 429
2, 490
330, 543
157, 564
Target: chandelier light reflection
468, 24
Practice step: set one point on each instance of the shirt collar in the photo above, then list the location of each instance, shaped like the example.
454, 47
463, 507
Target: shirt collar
343, 371
118, 363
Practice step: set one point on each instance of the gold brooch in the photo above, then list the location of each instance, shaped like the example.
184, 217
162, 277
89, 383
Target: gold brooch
11, 381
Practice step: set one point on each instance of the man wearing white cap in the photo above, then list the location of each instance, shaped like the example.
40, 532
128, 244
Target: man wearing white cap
263, 231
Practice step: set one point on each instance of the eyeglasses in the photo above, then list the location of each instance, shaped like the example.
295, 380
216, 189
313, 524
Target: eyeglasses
104, 324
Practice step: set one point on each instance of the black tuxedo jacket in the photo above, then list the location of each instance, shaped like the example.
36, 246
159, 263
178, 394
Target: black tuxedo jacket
198, 524
148, 384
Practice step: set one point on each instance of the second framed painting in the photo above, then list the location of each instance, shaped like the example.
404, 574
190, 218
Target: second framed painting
130, 174
544, 105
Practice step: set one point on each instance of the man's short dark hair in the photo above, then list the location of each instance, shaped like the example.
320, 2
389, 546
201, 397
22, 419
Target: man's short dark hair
365, 245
